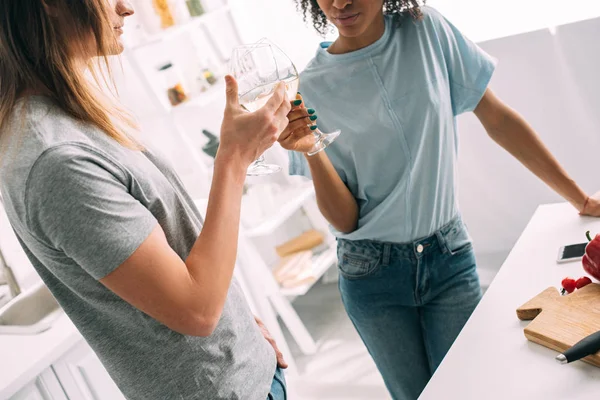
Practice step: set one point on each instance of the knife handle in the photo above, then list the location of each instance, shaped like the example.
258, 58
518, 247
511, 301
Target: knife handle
585, 347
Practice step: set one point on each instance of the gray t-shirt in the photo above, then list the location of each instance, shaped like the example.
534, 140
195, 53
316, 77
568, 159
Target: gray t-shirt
80, 205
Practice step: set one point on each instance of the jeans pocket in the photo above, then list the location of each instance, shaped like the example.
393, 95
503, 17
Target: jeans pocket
457, 238
278, 387
356, 260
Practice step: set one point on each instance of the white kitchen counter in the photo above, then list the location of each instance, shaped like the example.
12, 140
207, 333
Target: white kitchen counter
492, 359
23, 358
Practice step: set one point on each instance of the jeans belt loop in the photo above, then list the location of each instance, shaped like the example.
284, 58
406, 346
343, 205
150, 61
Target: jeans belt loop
441, 241
387, 252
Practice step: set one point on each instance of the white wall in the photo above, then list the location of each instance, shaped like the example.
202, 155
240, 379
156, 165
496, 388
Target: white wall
552, 81
483, 20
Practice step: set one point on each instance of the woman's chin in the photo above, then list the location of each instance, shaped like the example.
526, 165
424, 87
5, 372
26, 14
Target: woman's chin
116, 48
351, 31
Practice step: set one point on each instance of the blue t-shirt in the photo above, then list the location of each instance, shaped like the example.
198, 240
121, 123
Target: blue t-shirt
396, 102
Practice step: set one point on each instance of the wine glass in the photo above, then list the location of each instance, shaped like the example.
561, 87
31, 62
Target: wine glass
258, 68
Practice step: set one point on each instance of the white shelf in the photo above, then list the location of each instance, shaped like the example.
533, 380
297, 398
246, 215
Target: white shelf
203, 99
170, 33
321, 263
290, 201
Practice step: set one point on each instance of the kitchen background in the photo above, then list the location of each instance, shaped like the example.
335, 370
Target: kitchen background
548, 56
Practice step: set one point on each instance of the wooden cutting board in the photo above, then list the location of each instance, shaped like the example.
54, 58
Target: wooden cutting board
561, 321
307, 241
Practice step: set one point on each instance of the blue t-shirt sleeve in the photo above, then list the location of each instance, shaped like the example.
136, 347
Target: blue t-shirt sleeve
470, 69
298, 164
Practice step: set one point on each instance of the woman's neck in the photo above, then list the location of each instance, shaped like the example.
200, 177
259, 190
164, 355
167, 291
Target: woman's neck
344, 44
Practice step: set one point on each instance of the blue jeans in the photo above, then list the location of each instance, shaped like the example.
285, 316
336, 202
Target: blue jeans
278, 388
409, 302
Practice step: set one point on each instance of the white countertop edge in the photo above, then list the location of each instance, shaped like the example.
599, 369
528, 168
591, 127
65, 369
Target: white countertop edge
57, 345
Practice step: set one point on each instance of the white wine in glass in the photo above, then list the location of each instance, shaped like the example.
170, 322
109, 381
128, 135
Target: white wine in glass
257, 98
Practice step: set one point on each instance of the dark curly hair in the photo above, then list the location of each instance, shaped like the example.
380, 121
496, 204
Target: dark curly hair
321, 24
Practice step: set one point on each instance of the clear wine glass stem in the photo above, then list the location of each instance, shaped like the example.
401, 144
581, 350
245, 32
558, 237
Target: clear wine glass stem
260, 168
323, 140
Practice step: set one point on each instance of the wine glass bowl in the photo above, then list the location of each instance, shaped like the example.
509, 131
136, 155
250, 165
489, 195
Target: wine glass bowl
258, 68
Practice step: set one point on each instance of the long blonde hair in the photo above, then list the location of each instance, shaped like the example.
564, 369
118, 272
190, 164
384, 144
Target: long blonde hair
38, 40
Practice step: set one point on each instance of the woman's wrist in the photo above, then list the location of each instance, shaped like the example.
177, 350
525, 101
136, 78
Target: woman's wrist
585, 205
574, 195
231, 165
314, 157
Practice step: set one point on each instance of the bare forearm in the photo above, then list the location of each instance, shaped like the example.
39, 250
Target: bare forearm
334, 199
515, 135
212, 259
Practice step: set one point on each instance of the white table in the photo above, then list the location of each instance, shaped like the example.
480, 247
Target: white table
491, 359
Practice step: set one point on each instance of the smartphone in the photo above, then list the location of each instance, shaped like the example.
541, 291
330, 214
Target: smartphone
572, 252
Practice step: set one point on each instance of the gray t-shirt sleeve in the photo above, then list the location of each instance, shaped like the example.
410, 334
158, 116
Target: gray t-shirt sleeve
77, 201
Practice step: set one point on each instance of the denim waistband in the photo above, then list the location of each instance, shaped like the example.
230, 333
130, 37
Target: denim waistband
436, 242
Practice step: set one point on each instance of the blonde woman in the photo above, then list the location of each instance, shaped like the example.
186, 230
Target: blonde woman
107, 223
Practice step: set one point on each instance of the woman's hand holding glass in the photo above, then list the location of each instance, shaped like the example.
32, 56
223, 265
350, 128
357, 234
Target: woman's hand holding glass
299, 135
246, 135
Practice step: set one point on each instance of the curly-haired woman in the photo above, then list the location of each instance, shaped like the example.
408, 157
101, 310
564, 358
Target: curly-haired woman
394, 82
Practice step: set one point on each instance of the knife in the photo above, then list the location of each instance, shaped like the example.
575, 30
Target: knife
581, 349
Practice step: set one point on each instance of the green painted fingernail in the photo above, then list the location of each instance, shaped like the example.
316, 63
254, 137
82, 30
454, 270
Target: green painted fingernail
313, 118
300, 93
310, 111
313, 128
297, 102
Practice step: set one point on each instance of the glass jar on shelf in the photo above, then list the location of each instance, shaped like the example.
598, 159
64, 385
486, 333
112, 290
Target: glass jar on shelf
164, 10
173, 84
195, 8
209, 75
206, 76
200, 84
